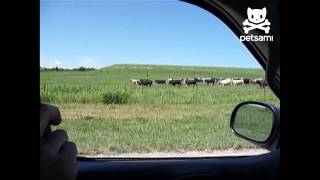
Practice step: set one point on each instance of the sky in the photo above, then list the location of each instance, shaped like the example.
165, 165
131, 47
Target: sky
99, 33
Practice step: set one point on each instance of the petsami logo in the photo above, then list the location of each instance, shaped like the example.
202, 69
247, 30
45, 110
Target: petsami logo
256, 20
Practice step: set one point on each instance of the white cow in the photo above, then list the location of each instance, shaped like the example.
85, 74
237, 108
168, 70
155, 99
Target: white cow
225, 82
238, 82
134, 81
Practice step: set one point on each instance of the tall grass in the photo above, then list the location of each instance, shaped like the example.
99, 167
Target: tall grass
157, 94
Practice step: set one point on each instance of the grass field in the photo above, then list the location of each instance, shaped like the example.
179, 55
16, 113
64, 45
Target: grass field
158, 118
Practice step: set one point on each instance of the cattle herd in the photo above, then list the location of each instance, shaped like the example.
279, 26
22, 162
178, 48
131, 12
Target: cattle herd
194, 81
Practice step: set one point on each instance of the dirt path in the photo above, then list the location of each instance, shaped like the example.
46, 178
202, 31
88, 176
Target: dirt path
216, 153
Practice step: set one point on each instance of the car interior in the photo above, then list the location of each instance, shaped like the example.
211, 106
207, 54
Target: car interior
264, 166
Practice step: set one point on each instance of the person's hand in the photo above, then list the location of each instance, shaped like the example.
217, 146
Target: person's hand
58, 156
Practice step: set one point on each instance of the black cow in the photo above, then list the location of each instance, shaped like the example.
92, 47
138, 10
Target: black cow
198, 79
246, 81
211, 80
175, 82
160, 81
145, 82
191, 82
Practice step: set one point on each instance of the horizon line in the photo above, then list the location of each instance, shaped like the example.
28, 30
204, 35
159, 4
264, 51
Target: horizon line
107, 66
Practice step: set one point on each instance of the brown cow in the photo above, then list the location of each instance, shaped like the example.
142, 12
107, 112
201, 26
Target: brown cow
175, 82
145, 82
262, 83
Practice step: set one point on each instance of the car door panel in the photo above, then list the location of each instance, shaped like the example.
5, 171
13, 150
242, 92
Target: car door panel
264, 167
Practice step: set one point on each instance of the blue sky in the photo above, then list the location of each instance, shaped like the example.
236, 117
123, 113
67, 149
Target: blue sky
101, 33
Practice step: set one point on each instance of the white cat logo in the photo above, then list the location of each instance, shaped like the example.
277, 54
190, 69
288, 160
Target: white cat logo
256, 20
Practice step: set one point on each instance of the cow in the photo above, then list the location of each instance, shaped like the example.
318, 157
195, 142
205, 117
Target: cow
204, 79
145, 82
226, 82
210, 80
179, 79
190, 82
217, 81
160, 81
262, 83
214, 80
134, 81
176, 78
174, 82
254, 81
237, 82
246, 81
198, 79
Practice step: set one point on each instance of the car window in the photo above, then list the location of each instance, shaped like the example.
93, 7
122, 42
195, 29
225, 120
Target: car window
146, 78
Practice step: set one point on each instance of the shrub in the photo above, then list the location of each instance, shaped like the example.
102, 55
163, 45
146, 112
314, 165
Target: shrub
116, 97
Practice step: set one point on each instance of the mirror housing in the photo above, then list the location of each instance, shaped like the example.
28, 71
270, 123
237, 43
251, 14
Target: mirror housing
250, 117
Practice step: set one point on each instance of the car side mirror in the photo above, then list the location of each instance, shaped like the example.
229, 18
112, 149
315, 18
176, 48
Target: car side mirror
257, 122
